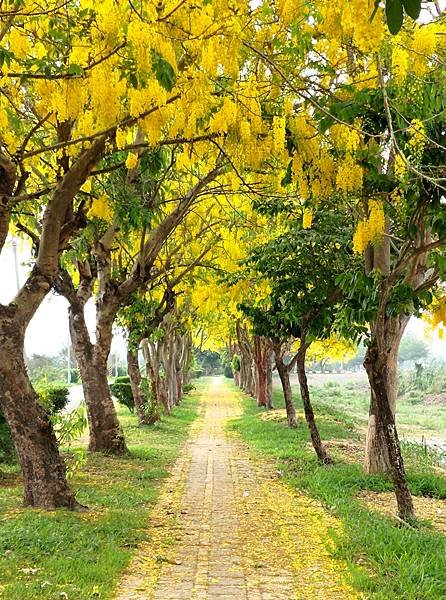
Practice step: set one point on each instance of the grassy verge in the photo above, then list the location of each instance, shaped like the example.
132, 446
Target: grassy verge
415, 418
77, 556
385, 561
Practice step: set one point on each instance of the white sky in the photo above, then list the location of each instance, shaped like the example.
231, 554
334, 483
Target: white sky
48, 331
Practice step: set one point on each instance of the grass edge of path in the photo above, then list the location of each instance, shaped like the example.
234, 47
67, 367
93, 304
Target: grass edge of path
383, 560
80, 555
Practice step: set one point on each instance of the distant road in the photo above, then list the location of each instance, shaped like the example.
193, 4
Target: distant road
320, 379
76, 397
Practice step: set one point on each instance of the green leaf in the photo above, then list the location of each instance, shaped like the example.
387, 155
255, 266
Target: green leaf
412, 8
288, 175
394, 15
75, 70
163, 71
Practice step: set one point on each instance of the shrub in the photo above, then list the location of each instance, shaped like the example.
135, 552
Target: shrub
196, 373
53, 396
235, 363
74, 375
6, 445
122, 391
227, 372
188, 387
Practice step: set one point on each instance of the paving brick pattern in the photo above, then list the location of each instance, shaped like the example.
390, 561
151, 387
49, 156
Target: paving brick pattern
221, 531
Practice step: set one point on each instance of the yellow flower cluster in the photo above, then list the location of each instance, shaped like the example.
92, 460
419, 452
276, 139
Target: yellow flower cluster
101, 209
278, 134
86, 187
64, 98
106, 88
417, 140
423, 46
289, 10
400, 61
436, 316
370, 231
224, 118
307, 218
349, 176
121, 138
344, 137
399, 166
143, 99
413, 52
344, 22
131, 161
313, 167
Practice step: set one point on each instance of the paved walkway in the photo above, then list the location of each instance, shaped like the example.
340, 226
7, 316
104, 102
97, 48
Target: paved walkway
227, 528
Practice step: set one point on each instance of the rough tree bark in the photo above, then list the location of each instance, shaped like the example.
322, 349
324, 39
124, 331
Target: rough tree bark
105, 430
269, 382
376, 455
42, 467
246, 361
45, 484
284, 374
135, 383
376, 365
308, 408
260, 362
152, 356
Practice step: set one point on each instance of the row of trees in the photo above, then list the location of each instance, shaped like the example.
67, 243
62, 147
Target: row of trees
143, 148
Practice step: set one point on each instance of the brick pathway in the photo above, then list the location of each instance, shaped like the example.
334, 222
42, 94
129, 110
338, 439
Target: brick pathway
227, 528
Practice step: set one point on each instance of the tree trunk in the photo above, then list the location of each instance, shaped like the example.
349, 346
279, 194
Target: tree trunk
152, 357
308, 408
135, 383
178, 357
105, 431
44, 478
284, 375
269, 383
186, 357
376, 456
168, 359
376, 365
260, 369
247, 378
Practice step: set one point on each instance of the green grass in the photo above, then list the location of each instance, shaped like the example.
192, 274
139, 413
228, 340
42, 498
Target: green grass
385, 561
44, 555
414, 417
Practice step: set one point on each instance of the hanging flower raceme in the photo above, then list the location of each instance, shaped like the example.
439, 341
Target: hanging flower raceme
417, 140
370, 230
307, 218
435, 317
101, 209
131, 160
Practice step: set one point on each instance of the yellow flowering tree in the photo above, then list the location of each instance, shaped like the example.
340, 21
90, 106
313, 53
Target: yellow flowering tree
85, 87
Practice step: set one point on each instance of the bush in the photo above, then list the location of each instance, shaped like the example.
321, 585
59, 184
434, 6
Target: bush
196, 373
235, 363
74, 376
227, 372
53, 397
122, 391
188, 387
6, 445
